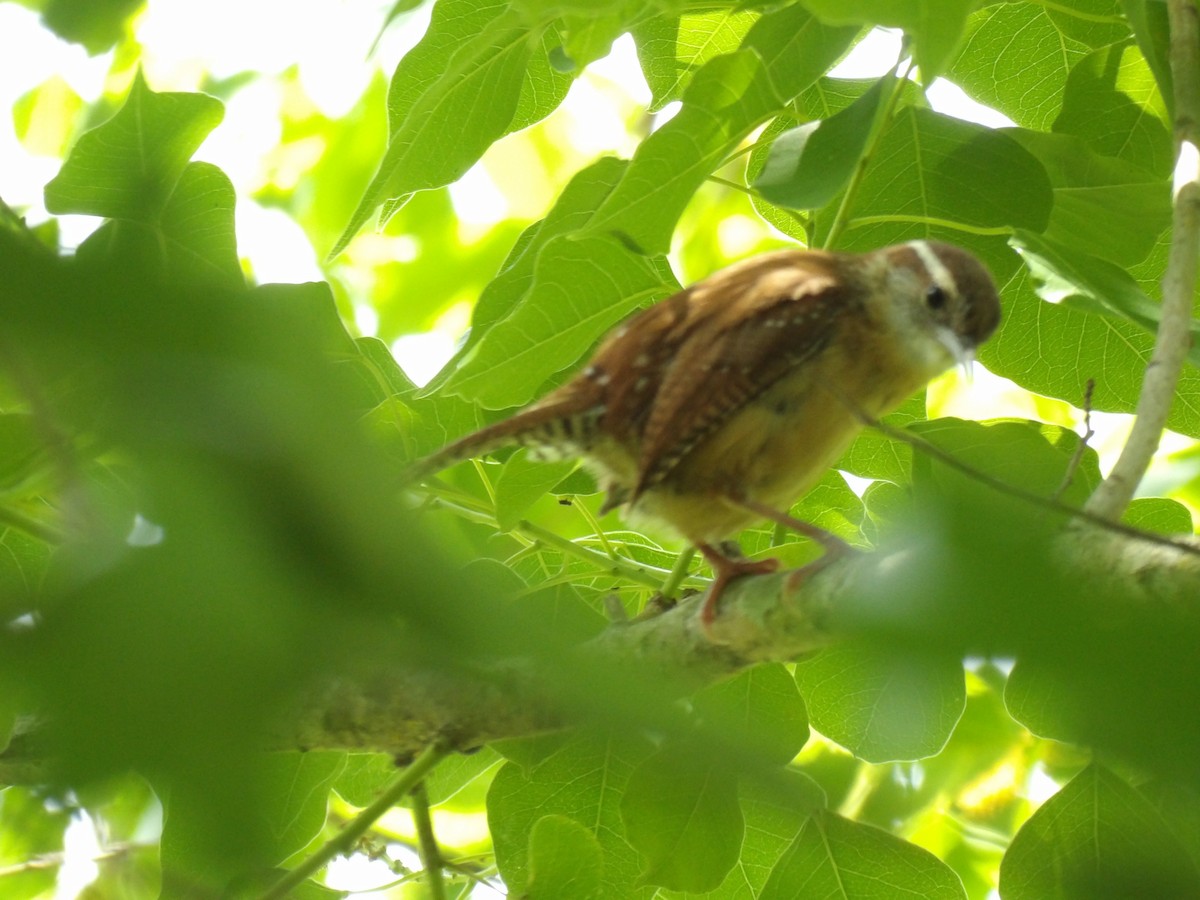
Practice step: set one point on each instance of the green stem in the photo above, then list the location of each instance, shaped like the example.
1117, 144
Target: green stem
345, 840
431, 856
842, 218
670, 587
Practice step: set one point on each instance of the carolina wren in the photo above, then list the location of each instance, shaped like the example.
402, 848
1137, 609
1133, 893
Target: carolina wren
721, 405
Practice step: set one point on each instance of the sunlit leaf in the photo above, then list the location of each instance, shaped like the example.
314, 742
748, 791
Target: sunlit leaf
836, 858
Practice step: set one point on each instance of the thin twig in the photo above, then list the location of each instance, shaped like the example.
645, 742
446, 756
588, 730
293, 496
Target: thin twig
344, 841
1179, 281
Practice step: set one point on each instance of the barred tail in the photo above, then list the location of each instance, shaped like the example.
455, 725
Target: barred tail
559, 425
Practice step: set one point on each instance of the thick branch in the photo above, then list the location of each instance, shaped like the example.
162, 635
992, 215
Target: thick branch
766, 618
1179, 281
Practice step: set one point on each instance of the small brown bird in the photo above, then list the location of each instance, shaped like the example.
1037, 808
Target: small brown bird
721, 405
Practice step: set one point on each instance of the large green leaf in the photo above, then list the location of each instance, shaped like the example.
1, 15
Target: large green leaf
1015, 58
1096, 839
1103, 206
128, 167
931, 169
504, 293
1073, 343
581, 287
583, 779
883, 704
680, 811
838, 859
451, 97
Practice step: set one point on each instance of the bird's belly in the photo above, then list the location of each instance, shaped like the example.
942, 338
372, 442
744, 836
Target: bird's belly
773, 451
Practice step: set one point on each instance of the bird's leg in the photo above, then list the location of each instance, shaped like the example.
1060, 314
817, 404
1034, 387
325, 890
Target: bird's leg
727, 565
834, 546
726, 568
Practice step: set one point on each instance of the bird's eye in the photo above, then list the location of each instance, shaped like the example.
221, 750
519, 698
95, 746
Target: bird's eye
936, 297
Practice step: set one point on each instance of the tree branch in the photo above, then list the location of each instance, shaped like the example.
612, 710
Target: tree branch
1179, 281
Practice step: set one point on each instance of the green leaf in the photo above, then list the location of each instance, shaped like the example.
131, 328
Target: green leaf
451, 97
1103, 207
565, 860
809, 165
1158, 514
1030, 455
833, 857
935, 26
128, 167
1015, 58
883, 704
784, 52
23, 563
932, 169
45, 117
1112, 102
581, 286
294, 797
759, 710
1072, 346
523, 481
96, 24
583, 779
197, 227
680, 811
579, 199
1096, 839
672, 49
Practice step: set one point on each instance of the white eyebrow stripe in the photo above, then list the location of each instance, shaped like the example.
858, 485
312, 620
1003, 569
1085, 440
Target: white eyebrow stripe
934, 266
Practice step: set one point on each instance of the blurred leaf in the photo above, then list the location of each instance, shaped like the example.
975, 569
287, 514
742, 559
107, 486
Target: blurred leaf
672, 49
1148, 20
30, 827
295, 794
1159, 515
760, 710
585, 780
522, 481
1093, 840
44, 119
836, 858
565, 860
128, 167
809, 165
96, 24
1030, 455
883, 704
680, 811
